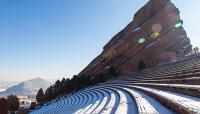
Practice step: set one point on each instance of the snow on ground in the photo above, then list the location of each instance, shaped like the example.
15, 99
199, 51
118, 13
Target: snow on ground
158, 106
113, 103
172, 85
142, 104
187, 103
104, 102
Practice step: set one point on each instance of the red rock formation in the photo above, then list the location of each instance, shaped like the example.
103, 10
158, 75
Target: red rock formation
156, 23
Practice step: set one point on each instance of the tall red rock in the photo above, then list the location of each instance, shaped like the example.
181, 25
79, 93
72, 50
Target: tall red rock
154, 27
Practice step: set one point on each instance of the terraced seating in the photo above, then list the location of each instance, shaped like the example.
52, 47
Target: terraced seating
171, 89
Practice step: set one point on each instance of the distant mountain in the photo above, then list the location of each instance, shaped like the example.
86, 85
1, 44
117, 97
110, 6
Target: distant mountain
7, 84
28, 88
1, 90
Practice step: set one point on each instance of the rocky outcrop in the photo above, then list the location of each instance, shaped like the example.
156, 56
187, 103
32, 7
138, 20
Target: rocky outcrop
150, 37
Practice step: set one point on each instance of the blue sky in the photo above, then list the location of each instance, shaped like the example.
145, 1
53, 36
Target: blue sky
58, 38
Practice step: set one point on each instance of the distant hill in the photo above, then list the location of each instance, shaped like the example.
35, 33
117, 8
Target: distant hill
1, 90
7, 84
28, 88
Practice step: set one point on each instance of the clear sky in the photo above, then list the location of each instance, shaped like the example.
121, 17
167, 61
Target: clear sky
58, 38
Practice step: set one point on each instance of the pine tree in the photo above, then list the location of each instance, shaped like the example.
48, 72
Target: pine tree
63, 86
68, 87
50, 93
33, 105
46, 94
57, 88
40, 96
85, 80
141, 65
4, 106
13, 103
112, 72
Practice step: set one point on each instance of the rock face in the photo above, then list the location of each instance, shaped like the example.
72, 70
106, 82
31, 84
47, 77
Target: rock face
152, 37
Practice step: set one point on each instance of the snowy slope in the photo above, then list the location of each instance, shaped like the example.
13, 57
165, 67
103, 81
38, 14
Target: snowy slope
7, 84
28, 88
1, 90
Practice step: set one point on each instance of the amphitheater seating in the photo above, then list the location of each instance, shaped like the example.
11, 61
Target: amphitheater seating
172, 88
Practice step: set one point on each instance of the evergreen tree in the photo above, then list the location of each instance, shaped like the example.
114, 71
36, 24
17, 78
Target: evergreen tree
49, 94
99, 78
141, 65
68, 86
13, 103
33, 105
40, 96
75, 83
85, 81
112, 72
57, 88
4, 106
63, 86
52, 93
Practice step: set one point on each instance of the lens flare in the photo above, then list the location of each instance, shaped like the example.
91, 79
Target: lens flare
178, 25
156, 27
155, 34
141, 40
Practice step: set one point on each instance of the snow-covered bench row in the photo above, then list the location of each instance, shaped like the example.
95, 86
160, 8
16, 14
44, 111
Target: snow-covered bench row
103, 100
162, 77
191, 81
178, 76
177, 102
90, 101
192, 90
172, 85
143, 106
